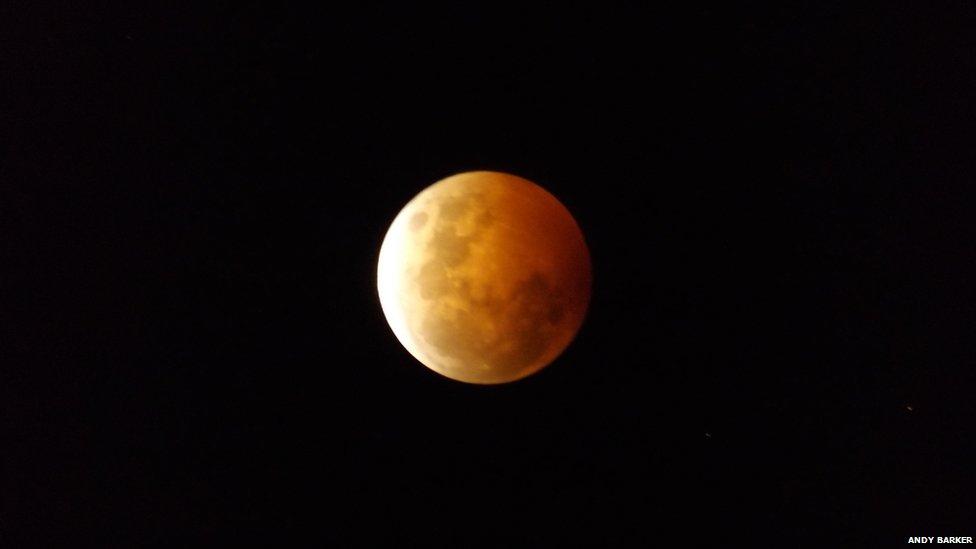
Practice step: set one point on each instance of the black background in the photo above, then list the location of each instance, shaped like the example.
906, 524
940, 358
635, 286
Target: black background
776, 199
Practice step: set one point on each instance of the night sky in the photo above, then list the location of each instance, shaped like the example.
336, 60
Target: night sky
777, 200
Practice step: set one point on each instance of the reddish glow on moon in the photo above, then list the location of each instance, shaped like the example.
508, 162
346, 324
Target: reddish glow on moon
484, 277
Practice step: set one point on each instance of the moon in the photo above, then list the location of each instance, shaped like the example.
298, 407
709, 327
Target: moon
484, 277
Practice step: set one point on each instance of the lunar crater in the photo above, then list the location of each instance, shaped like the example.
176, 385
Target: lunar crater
418, 220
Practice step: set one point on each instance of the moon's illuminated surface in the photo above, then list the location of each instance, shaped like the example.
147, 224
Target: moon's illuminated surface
484, 277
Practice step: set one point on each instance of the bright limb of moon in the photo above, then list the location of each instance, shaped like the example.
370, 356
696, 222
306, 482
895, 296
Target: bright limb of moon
484, 277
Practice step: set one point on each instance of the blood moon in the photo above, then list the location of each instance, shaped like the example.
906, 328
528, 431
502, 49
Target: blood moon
484, 277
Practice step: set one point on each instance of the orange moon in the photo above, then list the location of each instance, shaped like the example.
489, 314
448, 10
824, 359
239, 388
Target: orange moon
484, 277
